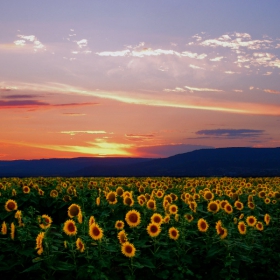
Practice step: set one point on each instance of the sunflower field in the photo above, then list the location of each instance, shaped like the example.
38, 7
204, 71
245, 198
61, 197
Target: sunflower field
140, 228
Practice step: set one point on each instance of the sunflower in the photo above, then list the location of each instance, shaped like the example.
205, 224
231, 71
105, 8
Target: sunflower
80, 245
221, 231
13, 228
128, 249
53, 193
202, 225
157, 218
119, 191
208, 195
39, 242
70, 227
251, 205
188, 217
151, 204
173, 233
128, 200
45, 221
153, 229
228, 208
241, 216
91, 221
74, 210
112, 197
159, 194
26, 189
119, 225
259, 226
97, 201
213, 207
223, 203
241, 227
173, 209
238, 205
66, 198
133, 218
251, 221
4, 228
95, 232
14, 192
168, 198
267, 200
122, 237
166, 219
141, 199
10, 205
193, 206
80, 217
267, 219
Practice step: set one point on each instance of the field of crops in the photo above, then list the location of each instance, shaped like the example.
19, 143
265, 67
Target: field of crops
140, 228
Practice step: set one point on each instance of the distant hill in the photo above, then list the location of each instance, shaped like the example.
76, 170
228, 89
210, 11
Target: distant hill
235, 162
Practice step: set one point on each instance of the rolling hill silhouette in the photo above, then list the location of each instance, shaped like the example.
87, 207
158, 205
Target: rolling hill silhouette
237, 162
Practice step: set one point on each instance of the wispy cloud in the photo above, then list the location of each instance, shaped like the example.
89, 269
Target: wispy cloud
139, 137
192, 89
74, 132
272, 91
231, 133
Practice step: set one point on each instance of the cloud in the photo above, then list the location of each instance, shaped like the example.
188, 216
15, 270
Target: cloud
192, 89
272, 91
82, 43
151, 52
236, 41
73, 114
74, 132
230, 133
20, 104
27, 40
195, 67
218, 58
139, 137
20, 96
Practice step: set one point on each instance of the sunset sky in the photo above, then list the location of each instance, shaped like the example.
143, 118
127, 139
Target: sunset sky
137, 78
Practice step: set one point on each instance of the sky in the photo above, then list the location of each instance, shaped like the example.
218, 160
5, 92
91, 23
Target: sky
137, 78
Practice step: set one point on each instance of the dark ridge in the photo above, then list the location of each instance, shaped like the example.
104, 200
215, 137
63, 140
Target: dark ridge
235, 162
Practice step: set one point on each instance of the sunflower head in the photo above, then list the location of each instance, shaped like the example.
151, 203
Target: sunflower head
173, 233
259, 226
202, 225
151, 204
133, 218
251, 221
188, 217
45, 221
242, 227
80, 245
70, 227
208, 195
157, 218
74, 210
112, 197
153, 229
10, 205
26, 189
54, 193
173, 209
267, 219
119, 225
213, 207
128, 249
128, 200
122, 237
228, 208
95, 232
